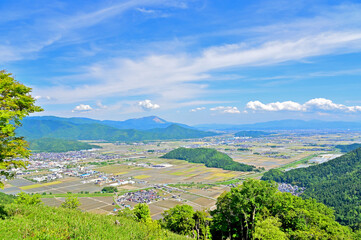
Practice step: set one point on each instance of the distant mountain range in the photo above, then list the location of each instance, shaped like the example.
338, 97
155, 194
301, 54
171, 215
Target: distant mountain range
90, 129
285, 125
144, 123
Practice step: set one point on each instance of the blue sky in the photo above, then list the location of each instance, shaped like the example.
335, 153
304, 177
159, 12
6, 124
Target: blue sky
187, 61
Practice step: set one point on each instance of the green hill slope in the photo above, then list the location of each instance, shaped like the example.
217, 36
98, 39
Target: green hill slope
58, 128
58, 145
348, 147
42, 222
210, 157
336, 183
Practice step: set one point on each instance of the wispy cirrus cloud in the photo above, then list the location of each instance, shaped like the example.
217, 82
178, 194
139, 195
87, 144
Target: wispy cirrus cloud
51, 26
159, 75
182, 78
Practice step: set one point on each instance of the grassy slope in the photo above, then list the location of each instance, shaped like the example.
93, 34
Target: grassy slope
42, 222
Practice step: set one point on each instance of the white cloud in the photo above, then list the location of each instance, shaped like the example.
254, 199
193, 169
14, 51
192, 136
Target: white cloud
197, 109
100, 105
164, 75
82, 108
224, 109
316, 104
175, 78
276, 106
43, 97
148, 105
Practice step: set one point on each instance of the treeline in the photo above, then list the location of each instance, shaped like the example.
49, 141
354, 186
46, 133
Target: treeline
58, 145
336, 183
253, 134
348, 147
209, 157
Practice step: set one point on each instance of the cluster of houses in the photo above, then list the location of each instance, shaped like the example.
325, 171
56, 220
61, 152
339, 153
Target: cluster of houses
142, 196
149, 165
293, 189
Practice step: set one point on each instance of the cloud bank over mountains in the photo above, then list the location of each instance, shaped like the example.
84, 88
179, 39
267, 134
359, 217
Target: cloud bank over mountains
316, 104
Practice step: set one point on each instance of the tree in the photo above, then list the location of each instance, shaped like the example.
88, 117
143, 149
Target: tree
15, 104
71, 203
27, 199
201, 224
255, 210
109, 189
142, 213
179, 219
238, 210
269, 229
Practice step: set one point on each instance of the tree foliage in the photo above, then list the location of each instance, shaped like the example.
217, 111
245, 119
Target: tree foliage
179, 219
109, 189
15, 104
238, 210
336, 183
71, 203
255, 209
142, 213
182, 219
210, 157
23, 198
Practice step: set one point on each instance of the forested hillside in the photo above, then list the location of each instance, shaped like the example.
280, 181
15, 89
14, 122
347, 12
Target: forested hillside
58, 145
54, 128
336, 183
348, 147
210, 157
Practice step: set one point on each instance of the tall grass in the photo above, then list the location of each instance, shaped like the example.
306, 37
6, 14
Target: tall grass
43, 222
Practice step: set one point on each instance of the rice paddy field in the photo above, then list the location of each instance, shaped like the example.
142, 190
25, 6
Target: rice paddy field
199, 186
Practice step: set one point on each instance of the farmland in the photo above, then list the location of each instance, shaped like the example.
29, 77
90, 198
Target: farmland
136, 167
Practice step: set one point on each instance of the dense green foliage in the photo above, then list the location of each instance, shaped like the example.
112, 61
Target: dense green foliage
23, 198
58, 145
336, 183
57, 128
42, 222
15, 104
210, 157
253, 134
71, 202
184, 220
142, 213
5, 198
109, 189
255, 210
348, 147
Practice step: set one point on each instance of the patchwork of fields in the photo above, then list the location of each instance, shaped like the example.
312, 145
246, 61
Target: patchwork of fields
197, 185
